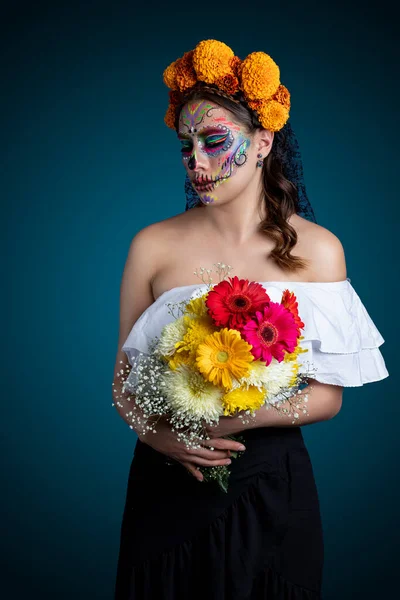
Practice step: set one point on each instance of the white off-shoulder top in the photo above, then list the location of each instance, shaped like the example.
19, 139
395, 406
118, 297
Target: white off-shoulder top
341, 338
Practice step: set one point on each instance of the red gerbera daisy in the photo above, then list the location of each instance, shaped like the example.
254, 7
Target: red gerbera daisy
272, 332
289, 301
231, 303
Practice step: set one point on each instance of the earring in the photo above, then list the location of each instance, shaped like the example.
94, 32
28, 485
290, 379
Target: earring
259, 162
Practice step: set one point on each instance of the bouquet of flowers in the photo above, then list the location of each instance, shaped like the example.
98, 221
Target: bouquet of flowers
229, 351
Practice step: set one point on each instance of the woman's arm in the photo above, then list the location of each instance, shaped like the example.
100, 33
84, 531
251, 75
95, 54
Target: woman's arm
324, 403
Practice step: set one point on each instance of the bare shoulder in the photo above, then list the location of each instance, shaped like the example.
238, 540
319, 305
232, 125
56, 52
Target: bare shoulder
169, 225
151, 245
166, 233
324, 249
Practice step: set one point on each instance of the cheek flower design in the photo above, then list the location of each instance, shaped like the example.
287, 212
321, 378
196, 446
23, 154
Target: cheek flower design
231, 303
272, 333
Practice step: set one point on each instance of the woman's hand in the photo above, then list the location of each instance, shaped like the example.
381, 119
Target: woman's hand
165, 441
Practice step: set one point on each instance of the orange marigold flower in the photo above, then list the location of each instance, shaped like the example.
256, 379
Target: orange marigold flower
211, 60
169, 75
185, 73
174, 97
256, 104
236, 65
272, 115
169, 118
282, 95
260, 76
228, 83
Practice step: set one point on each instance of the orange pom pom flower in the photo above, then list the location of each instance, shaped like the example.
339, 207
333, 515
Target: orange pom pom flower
211, 60
260, 76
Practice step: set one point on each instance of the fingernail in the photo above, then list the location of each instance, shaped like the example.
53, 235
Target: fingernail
241, 447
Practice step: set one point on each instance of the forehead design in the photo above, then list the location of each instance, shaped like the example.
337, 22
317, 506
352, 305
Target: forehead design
196, 113
193, 114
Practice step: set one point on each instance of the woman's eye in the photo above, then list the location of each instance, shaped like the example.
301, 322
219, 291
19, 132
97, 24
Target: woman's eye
186, 148
216, 140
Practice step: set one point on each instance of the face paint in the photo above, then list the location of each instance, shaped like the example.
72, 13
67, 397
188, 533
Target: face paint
214, 140
192, 162
193, 114
222, 141
205, 184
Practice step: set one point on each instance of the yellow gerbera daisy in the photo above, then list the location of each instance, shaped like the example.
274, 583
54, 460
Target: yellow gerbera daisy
223, 355
242, 399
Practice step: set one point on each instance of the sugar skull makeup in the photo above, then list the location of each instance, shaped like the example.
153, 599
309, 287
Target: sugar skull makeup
212, 142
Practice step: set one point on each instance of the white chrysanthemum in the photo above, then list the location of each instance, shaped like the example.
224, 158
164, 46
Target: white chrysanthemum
272, 378
171, 334
189, 393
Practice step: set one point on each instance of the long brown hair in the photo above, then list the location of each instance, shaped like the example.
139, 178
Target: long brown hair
278, 193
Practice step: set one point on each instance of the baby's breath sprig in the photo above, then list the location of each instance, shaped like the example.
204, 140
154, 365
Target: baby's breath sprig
292, 402
176, 309
222, 270
142, 386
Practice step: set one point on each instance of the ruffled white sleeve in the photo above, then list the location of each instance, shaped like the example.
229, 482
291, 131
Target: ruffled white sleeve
341, 340
340, 336
151, 322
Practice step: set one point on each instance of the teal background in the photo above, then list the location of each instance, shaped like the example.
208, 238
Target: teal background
87, 163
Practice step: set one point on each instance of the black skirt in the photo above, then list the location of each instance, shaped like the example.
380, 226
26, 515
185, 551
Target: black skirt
183, 539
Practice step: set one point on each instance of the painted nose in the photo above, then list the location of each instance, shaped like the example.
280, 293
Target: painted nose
197, 161
192, 162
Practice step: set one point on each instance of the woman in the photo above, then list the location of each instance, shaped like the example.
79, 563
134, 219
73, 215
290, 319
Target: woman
247, 207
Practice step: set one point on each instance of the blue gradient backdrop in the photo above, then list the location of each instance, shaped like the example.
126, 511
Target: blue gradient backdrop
87, 163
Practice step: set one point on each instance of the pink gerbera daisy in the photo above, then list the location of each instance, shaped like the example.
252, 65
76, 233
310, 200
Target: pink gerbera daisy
272, 332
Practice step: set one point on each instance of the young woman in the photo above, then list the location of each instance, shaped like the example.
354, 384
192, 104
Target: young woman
246, 207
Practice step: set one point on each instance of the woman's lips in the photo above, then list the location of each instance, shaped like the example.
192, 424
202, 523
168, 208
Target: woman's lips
204, 185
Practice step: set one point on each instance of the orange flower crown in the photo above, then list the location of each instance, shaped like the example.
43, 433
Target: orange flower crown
214, 63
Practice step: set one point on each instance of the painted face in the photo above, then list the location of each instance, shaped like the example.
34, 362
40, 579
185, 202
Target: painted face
213, 148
